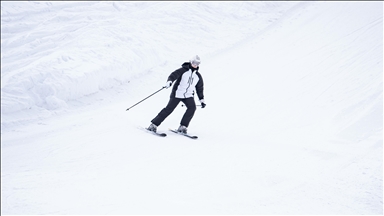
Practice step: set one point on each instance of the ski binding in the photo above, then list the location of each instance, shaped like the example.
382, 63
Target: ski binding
156, 133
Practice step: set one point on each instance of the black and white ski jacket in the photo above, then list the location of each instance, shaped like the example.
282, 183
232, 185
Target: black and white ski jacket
187, 80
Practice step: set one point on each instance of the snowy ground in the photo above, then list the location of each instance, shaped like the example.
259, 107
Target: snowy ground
293, 123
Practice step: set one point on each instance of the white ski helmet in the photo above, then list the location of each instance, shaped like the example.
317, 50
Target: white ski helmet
195, 60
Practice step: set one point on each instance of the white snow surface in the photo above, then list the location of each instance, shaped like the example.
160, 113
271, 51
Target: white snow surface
293, 122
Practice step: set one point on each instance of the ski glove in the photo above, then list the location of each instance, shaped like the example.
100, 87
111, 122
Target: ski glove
168, 84
202, 103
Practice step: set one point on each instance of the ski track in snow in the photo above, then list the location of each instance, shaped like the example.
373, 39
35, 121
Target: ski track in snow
293, 123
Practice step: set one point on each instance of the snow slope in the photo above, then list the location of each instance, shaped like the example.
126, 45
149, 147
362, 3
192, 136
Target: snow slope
293, 123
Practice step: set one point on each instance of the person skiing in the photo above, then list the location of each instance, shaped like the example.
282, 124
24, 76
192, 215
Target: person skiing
186, 79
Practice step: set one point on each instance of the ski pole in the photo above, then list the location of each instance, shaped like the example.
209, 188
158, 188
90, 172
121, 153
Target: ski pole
184, 105
145, 98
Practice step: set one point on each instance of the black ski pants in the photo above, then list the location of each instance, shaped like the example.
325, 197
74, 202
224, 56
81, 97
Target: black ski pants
172, 104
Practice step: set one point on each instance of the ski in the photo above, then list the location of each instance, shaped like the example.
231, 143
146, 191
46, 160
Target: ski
186, 135
156, 133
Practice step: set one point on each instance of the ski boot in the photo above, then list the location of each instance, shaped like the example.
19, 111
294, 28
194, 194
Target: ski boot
152, 128
182, 129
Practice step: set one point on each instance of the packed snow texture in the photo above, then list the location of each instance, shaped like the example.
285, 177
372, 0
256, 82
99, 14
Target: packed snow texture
293, 122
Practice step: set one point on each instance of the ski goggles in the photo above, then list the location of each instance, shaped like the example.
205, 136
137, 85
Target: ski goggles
197, 63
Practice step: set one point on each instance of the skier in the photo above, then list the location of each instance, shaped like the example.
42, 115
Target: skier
187, 79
